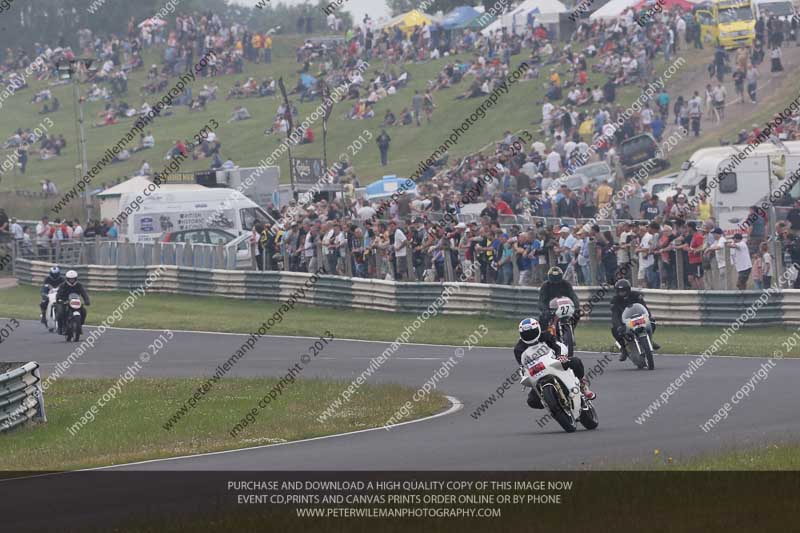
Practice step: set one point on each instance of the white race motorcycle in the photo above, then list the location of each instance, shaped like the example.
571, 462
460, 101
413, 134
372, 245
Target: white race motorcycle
51, 313
638, 336
558, 388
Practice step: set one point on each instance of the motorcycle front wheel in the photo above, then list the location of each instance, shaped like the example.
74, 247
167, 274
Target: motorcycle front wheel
563, 418
648, 354
588, 417
73, 326
636, 356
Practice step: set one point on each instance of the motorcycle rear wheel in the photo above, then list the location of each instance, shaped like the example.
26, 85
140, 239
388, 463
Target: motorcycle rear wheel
563, 418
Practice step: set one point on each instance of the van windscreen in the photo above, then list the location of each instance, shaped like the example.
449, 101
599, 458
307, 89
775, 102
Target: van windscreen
251, 216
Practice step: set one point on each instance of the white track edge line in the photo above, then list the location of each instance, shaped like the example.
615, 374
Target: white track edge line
408, 343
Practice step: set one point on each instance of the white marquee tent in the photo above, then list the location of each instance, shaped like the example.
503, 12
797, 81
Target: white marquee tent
544, 12
613, 9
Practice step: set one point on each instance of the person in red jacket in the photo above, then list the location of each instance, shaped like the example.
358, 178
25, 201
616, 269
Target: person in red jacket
308, 136
695, 252
502, 207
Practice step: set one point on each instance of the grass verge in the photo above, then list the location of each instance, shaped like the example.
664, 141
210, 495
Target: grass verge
129, 428
159, 311
767, 457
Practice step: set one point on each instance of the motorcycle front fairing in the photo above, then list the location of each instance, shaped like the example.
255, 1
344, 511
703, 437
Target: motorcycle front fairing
549, 365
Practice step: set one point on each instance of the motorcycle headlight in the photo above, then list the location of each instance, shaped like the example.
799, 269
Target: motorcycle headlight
75, 304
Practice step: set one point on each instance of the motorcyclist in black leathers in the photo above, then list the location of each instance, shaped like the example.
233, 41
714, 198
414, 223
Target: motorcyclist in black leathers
625, 297
54, 280
72, 286
531, 334
556, 287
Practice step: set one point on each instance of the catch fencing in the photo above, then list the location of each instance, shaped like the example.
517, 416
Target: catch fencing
674, 307
21, 397
112, 252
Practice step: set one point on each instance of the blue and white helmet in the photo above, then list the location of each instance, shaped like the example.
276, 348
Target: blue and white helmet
529, 330
55, 271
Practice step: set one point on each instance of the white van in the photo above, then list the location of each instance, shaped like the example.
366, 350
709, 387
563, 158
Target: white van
749, 183
175, 209
783, 9
662, 187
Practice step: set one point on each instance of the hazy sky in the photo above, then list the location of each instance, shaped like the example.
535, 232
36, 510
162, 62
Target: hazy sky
375, 8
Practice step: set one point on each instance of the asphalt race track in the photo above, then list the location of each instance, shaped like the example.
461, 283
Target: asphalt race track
506, 437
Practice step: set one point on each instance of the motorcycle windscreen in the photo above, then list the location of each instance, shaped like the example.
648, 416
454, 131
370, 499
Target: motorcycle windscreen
633, 311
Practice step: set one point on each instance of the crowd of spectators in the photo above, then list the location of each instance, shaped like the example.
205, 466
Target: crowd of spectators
525, 219
40, 241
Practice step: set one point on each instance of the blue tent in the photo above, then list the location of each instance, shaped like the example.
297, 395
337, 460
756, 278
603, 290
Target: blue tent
460, 17
388, 185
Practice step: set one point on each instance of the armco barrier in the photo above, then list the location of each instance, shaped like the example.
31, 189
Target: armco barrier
692, 308
21, 397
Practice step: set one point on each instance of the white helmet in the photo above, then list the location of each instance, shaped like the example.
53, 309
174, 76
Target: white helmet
72, 277
529, 330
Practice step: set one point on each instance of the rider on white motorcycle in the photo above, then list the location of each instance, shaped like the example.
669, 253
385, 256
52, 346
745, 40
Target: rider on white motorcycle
54, 280
531, 334
70, 286
625, 297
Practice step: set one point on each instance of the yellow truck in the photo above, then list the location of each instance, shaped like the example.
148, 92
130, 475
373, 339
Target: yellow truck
730, 23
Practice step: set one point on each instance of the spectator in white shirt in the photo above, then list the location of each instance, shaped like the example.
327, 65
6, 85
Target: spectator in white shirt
400, 246
553, 162
740, 256
43, 236
310, 246
328, 247
547, 115
77, 230
718, 247
648, 268
148, 141
16, 229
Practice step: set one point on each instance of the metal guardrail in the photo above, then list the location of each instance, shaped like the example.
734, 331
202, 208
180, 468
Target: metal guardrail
674, 307
21, 397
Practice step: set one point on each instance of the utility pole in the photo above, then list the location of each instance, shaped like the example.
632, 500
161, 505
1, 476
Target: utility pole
289, 131
326, 93
67, 71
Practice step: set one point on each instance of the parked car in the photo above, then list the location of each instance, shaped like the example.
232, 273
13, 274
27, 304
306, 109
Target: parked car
573, 183
598, 172
636, 151
199, 236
